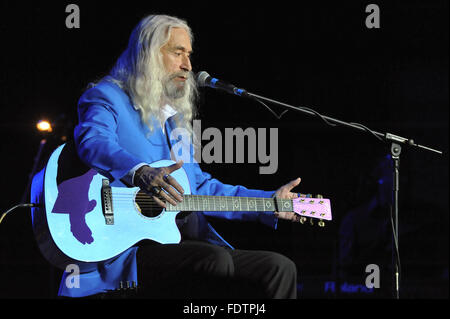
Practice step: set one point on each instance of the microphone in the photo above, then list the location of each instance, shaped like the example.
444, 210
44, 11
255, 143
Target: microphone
204, 79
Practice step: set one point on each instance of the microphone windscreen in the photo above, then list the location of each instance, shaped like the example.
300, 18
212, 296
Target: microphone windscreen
201, 78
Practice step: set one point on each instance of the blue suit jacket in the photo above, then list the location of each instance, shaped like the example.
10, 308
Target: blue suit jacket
112, 139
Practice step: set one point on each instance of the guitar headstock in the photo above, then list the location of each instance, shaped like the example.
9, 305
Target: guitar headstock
313, 208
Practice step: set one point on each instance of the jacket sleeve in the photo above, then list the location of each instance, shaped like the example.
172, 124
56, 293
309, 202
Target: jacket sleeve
96, 137
206, 185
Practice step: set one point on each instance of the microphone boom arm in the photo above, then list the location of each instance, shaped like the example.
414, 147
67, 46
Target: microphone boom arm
333, 122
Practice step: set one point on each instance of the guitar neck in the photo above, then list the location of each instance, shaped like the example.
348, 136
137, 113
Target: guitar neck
230, 203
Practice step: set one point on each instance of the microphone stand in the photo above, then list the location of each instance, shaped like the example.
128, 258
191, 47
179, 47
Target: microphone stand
395, 150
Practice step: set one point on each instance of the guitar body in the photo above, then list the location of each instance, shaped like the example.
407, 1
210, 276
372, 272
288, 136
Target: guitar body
70, 225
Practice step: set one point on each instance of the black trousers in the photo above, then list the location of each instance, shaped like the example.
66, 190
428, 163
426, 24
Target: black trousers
195, 269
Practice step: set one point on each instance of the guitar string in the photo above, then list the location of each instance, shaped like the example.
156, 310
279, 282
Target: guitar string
172, 208
200, 196
144, 201
178, 209
203, 197
141, 194
151, 204
198, 199
242, 201
206, 200
180, 206
201, 200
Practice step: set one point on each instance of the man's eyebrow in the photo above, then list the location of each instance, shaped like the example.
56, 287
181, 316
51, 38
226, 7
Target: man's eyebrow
182, 48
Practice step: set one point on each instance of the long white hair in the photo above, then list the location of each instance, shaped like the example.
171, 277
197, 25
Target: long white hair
140, 71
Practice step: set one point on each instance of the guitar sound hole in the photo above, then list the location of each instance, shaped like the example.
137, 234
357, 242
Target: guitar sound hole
147, 206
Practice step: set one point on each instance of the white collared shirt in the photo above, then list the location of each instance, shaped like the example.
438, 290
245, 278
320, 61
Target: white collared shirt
166, 111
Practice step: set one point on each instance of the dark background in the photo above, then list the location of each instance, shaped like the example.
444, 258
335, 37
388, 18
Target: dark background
314, 54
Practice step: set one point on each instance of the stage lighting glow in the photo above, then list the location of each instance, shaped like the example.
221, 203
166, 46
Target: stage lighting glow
44, 126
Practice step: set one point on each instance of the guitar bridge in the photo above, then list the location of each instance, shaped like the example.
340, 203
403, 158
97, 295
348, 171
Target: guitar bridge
107, 206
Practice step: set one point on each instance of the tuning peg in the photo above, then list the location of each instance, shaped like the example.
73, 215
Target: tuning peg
311, 221
319, 196
302, 220
321, 223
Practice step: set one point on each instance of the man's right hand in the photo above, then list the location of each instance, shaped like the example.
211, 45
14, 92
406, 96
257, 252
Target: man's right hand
157, 182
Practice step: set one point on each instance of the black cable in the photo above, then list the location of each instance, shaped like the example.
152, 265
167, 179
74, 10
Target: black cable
367, 130
397, 253
323, 118
273, 112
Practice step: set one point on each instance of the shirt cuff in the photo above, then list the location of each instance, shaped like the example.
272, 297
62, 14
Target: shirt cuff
130, 175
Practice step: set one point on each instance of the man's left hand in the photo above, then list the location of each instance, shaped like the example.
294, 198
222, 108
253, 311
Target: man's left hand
284, 192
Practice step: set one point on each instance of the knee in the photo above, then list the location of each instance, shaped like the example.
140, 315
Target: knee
219, 264
281, 281
283, 265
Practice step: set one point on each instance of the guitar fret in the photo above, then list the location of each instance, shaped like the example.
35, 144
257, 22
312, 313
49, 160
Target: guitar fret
260, 205
181, 206
267, 204
270, 204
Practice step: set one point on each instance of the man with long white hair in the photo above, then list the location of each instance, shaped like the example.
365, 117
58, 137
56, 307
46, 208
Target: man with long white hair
125, 124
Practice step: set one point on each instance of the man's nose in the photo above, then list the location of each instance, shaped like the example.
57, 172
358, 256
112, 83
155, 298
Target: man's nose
186, 64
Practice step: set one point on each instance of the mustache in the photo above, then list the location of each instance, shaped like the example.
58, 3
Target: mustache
185, 74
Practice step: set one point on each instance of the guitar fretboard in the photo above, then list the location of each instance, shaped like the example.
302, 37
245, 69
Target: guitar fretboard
229, 203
